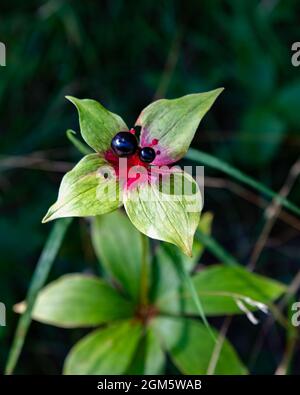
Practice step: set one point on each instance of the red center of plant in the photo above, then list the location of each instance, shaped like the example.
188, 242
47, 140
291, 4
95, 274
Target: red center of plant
127, 169
131, 168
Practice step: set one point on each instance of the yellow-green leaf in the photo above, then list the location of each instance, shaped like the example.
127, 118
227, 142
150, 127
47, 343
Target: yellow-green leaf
219, 287
97, 125
118, 245
191, 347
89, 189
77, 301
167, 211
173, 123
105, 351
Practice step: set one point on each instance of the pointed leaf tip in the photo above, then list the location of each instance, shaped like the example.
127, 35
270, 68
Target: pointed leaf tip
84, 193
46, 218
57, 304
73, 99
97, 125
173, 123
68, 97
165, 212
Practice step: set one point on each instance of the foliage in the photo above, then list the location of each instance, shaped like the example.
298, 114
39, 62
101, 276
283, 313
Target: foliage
125, 54
127, 321
159, 208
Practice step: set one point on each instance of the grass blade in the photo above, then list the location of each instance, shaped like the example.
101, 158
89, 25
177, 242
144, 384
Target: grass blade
216, 249
84, 149
39, 278
215, 163
190, 285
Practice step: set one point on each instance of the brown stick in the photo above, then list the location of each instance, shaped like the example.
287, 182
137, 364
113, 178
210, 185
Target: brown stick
272, 212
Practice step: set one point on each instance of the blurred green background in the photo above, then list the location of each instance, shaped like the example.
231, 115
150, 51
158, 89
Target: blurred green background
125, 54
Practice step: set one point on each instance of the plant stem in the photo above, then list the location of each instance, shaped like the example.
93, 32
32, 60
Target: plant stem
144, 271
190, 285
83, 148
38, 280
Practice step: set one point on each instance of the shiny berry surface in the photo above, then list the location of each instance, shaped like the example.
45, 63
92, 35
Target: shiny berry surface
124, 144
147, 154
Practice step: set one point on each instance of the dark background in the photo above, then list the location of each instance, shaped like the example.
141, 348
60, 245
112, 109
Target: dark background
125, 54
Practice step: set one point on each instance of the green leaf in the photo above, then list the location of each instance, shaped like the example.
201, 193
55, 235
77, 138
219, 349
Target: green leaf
76, 300
166, 272
169, 259
105, 351
97, 125
238, 282
191, 347
167, 211
149, 357
118, 247
219, 287
84, 191
189, 263
39, 277
173, 123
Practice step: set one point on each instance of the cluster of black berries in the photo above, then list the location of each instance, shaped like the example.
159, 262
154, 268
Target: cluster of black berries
125, 144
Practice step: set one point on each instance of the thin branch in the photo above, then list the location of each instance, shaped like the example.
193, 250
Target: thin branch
283, 367
218, 346
291, 291
271, 214
251, 197
33, 161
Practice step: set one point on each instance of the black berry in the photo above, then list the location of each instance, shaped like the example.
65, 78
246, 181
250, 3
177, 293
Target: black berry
147, 154
124, 144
